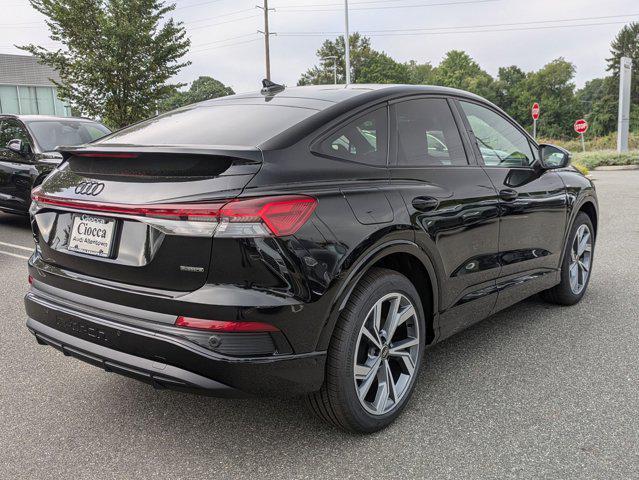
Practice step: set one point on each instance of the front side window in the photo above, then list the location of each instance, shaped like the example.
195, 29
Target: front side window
363, 140
500, 143
12, 130
427, 134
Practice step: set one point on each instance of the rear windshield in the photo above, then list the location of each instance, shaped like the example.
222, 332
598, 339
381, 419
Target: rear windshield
52, 133
222, 125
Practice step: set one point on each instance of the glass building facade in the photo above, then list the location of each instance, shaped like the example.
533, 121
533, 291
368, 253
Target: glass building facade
27, 87
32, 100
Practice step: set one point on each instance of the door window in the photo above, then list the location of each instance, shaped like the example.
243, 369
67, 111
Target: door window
363, 140
12, 130
427, 134
500, 143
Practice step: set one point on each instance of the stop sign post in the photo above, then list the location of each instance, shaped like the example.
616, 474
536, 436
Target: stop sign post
581, 127
535, 115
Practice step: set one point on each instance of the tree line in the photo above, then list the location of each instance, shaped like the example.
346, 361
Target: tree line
513, 89
117, 63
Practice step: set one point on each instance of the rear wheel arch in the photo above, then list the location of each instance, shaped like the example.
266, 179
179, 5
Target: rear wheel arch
404, 257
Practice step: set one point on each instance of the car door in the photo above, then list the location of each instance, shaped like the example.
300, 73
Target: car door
15, 169
533, 203
452, 205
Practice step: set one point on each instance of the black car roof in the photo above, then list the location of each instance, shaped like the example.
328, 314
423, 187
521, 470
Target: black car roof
320, 97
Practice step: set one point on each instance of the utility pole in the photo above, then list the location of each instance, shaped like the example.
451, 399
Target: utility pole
267, 38
625, 74
347, 44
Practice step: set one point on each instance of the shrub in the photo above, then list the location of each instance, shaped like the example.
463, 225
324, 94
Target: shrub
605, 158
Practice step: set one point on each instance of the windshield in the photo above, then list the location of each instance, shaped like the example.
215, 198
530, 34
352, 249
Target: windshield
52, 133
247, 125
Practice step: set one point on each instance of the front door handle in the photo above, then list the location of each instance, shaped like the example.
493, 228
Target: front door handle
508, 194
425, 204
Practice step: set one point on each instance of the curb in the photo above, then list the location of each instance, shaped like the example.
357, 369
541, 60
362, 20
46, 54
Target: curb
617, 167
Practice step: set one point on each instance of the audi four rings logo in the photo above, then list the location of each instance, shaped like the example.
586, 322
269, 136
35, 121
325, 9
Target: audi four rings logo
89, 188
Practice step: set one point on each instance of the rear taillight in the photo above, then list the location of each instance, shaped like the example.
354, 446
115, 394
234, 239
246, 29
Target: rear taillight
279, 216
223, 325
252, 217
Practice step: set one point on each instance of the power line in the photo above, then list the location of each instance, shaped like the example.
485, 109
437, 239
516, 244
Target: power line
297, 9
221, 23
228, 45
458, 27
458, 32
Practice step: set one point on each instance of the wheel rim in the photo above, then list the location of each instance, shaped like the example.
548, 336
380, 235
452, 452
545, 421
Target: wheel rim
386, 354
580, 259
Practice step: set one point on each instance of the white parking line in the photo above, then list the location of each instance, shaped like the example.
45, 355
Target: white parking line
14, 255
13, 245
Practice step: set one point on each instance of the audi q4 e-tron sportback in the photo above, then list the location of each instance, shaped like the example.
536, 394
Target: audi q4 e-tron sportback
27, 152
303, 241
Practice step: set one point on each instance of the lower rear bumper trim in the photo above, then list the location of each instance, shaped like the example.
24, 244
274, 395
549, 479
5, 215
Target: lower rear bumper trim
157, 374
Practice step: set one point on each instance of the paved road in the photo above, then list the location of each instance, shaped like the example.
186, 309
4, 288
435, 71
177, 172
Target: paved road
536, 391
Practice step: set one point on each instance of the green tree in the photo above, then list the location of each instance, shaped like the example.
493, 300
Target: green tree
203, 88
600, 99
420, 73
380, 68
508, 86
553, 88
322, 74
459, 70
625, 44
118, 55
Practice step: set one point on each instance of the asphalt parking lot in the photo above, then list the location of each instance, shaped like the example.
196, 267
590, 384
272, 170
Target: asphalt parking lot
537, 391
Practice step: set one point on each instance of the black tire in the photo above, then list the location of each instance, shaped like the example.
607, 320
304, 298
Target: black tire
562, 294
337, 402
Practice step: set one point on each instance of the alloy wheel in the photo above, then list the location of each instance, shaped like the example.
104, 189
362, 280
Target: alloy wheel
386, 354
580, 259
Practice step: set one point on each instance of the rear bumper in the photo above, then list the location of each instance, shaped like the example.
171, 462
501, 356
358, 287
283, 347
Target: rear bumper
157, 374
155, 355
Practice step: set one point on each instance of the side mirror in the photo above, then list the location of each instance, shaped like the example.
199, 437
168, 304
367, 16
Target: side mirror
16, 145
554, 157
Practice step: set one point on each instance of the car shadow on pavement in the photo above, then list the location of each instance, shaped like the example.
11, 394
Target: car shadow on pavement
11, 220
452, 370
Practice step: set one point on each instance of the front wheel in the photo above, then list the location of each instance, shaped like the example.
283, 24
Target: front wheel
577, 264
374, 356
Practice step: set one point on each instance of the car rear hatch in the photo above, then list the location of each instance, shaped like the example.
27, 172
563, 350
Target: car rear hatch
138, 215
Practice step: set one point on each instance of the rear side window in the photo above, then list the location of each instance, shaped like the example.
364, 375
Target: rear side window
427, 134
247, 125
499, 141
362, 140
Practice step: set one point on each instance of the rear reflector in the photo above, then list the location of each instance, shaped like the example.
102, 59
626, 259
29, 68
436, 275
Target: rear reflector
252, 217
224, 326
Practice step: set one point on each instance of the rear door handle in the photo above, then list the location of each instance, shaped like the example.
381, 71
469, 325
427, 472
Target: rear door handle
508, 194
425, 204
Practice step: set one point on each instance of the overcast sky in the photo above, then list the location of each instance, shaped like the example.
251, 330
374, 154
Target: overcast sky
226, 45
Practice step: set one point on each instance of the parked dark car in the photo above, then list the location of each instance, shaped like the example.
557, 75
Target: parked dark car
27, 152
303, 241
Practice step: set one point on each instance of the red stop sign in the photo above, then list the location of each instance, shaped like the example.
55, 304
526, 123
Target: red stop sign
535, 111
581, 126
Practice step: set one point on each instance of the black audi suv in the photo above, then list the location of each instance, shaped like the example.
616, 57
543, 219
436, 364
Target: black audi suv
27, 152
305, 241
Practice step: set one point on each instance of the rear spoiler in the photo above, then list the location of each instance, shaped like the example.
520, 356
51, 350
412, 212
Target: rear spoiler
241, 155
